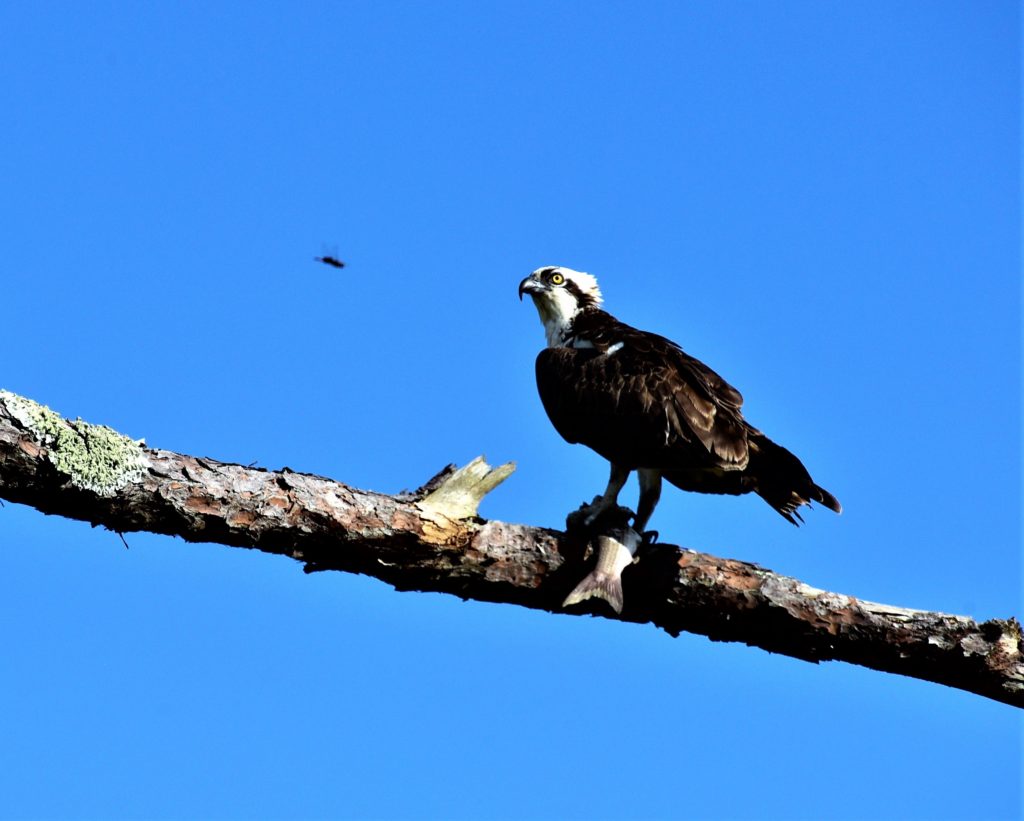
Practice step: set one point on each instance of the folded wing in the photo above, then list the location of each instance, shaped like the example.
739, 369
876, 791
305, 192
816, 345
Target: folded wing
644, 404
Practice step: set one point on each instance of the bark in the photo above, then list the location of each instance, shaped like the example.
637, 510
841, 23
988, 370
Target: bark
432, 540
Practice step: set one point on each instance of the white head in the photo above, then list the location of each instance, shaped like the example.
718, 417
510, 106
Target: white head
559, 294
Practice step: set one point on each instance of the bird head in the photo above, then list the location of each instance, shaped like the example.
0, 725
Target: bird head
553, 281
559, 294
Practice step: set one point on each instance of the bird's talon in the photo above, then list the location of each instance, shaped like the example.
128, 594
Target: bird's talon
586, 515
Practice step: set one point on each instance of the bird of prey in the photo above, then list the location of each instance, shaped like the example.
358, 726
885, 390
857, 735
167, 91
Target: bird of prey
643, 404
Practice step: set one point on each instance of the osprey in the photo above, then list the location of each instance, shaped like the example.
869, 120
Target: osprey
643, 404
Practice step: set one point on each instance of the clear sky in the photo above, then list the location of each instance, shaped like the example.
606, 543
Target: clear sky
820, 200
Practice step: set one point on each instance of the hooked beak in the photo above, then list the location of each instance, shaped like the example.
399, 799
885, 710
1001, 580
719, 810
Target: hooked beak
530, 286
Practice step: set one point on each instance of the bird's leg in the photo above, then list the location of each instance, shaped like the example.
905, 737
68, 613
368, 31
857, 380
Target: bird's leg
610, 498
650, 492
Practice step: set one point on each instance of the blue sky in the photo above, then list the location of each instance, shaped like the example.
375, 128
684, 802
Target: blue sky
822, 201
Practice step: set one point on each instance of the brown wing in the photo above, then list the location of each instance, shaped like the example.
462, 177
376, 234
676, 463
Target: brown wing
646, 404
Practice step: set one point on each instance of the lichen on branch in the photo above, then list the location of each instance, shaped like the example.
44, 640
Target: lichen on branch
93, 457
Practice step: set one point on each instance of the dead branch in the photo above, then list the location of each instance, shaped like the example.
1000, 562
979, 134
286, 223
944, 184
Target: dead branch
432, 540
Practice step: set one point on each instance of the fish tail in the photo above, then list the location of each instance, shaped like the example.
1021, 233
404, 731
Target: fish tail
599, 585
605, 580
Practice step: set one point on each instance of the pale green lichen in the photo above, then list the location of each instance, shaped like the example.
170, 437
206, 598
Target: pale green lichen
93, 457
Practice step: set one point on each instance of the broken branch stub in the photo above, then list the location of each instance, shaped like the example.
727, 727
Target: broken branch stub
458, 496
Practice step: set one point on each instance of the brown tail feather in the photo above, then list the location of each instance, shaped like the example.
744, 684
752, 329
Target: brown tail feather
827, 499
782, 481
774, 473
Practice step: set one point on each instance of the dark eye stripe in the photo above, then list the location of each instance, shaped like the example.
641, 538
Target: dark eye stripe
581, 298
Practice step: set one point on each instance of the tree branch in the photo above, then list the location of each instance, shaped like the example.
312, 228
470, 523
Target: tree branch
432, 540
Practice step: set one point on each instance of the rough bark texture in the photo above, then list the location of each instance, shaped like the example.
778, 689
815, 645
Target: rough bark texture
431, 539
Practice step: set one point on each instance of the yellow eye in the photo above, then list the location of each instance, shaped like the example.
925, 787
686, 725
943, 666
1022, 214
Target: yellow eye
557, 279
